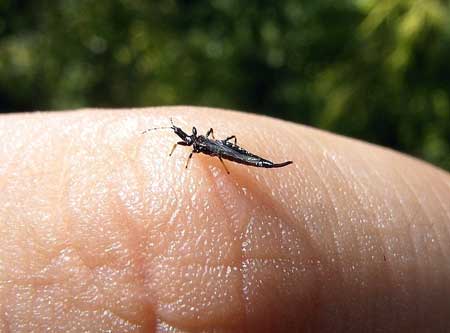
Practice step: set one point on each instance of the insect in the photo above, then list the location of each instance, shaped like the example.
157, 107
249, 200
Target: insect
223, 149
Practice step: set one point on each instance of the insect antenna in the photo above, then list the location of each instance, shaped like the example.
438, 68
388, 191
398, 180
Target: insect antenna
158, 128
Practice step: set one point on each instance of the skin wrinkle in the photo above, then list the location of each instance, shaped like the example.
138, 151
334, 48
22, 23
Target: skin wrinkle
265, 201
239, 263
447, 192
39, 278
332, 199
135, 237
381, 180
173, 213
413, 252
392, 277
177, 259
92, 280
314, 169
239, 254
163, 327
135, 241
420, 273
417, 200
336, 174
344, 175
430, 225
175, 324
106, 261
231, 264
411, 228
446, 185
213, 181
446, 189
30, 229
137, 166
89, 262
34, 281
81, 305
62, 199
84, 260
445, 233
368, 229
121, 318
176, 327
140, 261
421, 205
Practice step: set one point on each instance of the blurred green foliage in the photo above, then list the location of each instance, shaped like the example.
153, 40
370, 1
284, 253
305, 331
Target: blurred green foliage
378, 70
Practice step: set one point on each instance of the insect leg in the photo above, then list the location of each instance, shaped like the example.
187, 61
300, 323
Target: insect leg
210, 132
173, 148
181, 143
188, 159
231, 137
223, 163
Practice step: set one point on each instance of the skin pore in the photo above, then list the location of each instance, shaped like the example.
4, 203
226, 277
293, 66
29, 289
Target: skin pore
100, 229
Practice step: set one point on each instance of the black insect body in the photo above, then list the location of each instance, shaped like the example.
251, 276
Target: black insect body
223, 149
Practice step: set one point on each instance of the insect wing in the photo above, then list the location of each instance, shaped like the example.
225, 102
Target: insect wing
235, 153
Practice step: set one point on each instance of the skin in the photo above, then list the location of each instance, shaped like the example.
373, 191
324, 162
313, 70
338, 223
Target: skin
100, 229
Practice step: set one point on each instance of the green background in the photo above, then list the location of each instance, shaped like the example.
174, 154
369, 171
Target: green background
378, 70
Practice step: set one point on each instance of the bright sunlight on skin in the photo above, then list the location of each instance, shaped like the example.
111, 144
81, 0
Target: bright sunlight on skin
102, 230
